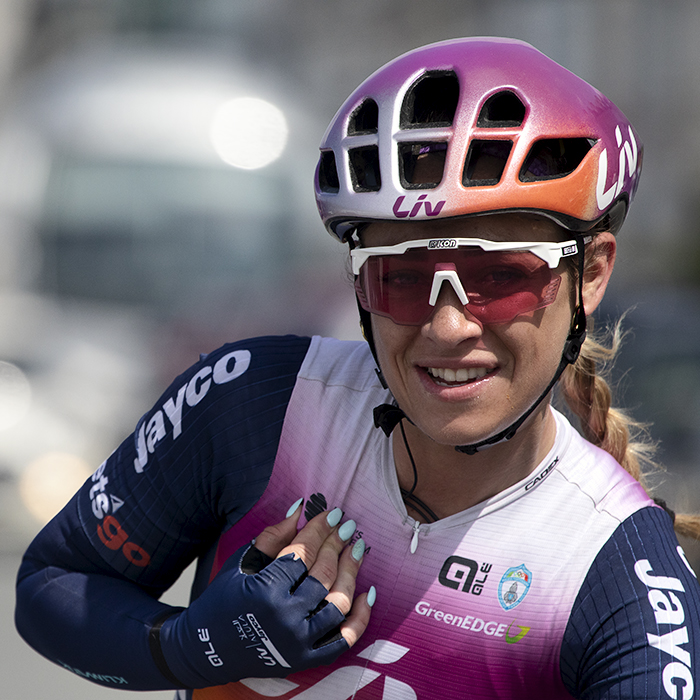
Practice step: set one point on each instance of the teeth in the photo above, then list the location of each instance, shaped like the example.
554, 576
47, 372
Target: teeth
457, 376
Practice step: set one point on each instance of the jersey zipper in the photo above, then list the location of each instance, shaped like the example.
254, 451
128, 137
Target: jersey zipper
414, 539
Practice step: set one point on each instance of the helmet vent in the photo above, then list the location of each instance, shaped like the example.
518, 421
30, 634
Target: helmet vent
431, 101
553, 158
364, 169
485, 162
421, 164
365, 119
328, 173
502, 110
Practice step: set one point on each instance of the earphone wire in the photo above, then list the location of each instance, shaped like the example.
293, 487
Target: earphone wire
409, 498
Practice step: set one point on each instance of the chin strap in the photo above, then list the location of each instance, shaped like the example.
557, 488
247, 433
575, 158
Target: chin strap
387, 416
572, 348
366, 328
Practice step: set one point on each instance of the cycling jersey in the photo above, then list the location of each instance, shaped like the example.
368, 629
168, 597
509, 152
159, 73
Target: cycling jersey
570, 583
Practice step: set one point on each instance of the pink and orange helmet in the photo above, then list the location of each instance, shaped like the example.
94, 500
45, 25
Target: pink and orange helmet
472, 126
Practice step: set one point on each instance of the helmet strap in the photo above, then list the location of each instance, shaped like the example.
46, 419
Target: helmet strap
366, 328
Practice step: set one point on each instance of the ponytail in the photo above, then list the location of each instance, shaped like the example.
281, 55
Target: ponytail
587, 392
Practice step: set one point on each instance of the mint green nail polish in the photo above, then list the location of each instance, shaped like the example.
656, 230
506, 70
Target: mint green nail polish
358, 549
347, 530
333, 518
371, 596
293, 508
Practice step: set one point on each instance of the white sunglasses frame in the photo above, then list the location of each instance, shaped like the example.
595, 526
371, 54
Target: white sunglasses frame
549, 252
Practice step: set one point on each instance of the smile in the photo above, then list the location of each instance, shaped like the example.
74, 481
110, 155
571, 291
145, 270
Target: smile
463, 375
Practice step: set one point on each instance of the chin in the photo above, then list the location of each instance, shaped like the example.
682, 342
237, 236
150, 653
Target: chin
452, 434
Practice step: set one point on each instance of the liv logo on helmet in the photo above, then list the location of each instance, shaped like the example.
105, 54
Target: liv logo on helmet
421, 201
628, 156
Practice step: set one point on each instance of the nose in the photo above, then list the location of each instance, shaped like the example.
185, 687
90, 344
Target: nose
451, 323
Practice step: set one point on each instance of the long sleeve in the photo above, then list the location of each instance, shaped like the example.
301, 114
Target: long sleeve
88, 587
634, 631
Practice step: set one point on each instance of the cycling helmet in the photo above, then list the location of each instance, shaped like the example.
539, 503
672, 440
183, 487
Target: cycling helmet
478, 126
472, 126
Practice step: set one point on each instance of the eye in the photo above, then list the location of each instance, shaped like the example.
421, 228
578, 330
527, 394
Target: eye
504, 280
402, 279
506, 275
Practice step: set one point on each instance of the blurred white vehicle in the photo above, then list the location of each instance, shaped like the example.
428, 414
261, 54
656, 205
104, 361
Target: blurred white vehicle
154, 205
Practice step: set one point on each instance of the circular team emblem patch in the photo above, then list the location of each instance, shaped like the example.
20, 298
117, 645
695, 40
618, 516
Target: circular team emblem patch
514, 586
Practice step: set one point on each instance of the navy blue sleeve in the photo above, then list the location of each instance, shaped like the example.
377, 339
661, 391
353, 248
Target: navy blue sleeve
88, 585
634, 630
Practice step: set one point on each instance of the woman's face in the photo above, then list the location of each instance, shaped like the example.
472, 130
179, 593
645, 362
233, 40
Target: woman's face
458, 380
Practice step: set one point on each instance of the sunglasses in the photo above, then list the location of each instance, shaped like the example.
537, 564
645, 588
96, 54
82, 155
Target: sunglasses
494, 280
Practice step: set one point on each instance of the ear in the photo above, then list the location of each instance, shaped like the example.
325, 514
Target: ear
600, 261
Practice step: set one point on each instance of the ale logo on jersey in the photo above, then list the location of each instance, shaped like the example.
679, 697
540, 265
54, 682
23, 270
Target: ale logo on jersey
514, 586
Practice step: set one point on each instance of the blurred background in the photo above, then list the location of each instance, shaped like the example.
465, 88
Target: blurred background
143, 220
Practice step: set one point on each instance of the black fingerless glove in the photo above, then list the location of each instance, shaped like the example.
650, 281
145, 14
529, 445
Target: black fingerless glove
267, 624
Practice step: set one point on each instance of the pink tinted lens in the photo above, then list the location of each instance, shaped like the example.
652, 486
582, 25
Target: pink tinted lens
499, 285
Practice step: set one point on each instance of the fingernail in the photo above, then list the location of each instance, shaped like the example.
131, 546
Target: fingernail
371, 596
347, 530
333, 518
358, 549
294, 507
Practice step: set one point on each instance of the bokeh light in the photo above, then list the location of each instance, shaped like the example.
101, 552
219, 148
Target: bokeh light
50, 481
248, 132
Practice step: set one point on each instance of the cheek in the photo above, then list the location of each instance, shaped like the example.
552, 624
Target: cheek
390, 339
392, 343
537, 343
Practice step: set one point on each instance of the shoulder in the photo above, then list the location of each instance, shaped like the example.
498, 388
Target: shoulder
340, 363
644, 546
276, 354
225, 387
337, 384
245, 389
595, 478
328, 360
252, 368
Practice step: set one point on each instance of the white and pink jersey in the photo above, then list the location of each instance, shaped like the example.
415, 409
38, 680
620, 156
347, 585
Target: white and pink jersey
473, 606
